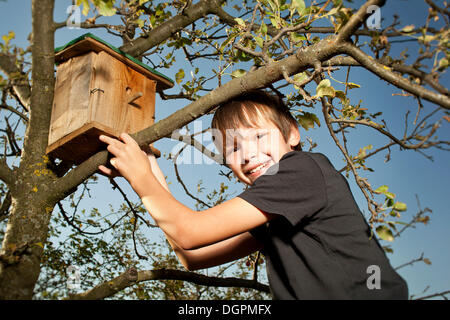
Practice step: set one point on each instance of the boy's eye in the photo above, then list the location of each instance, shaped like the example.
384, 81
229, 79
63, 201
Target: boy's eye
232, 150
260, 135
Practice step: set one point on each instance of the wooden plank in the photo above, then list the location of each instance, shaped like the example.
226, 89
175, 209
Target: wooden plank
71, 100
141, 113
114, 83
83, 143
79, 145
89, 44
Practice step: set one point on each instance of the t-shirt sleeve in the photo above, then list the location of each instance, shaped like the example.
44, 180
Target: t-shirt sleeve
295, 191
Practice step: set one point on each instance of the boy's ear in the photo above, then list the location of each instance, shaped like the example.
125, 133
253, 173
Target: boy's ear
294, 137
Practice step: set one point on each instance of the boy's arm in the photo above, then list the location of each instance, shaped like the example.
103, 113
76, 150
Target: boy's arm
213, 255
218, 253
187, 228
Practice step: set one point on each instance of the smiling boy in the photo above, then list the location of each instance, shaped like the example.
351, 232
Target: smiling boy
298, 209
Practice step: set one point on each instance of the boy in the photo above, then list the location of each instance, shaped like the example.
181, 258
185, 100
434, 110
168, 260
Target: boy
298, 209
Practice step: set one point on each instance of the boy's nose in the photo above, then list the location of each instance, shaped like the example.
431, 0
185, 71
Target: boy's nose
250, 151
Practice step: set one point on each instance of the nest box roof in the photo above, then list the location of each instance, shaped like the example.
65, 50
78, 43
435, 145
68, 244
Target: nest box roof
88, 42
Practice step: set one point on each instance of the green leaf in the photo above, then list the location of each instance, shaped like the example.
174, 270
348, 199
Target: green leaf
400, 206
140, 23
86, 6
352, 85
325, 89
7, 38
272, 5
152, 20
300, 77
427, 38
297, 37
394, 213
240, 21
408, 29
179, 76
263, 29
105, 7
392, 225
238, 73
390, 202
275, 22
300, 6
307, 120
443, 63
242, 56
385, 233
389, 195
388, 249
259, 41
381, 189
341, 96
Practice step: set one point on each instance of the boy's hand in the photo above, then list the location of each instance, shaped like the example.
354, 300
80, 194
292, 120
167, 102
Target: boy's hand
129, 161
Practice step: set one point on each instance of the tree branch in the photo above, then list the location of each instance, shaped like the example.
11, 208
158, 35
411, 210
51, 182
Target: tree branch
410, 263
437, 8
260, 78
132, 276
380, 129
6, 204
386, 74
401, 68
439, 294
22, 89
13, 110
167, 29
357, 20
7, 175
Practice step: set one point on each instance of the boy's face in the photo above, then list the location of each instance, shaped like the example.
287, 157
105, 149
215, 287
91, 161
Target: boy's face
249, 152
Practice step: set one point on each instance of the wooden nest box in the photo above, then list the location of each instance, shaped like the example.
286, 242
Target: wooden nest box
99, 90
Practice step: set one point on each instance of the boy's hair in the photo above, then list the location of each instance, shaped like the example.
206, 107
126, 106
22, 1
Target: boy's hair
245, 109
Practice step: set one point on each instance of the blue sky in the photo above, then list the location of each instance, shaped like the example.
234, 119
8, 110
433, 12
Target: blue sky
408, 173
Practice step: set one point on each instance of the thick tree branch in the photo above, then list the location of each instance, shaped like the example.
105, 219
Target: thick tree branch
386, 74
357, 20
260, 78
164, 31
7, 175
132, 276
398, 67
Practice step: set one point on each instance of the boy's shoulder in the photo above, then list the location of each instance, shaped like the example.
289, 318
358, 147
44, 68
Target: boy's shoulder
295, 154
300, 159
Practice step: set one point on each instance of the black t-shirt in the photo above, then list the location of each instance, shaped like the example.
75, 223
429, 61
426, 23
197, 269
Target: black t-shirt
319, 246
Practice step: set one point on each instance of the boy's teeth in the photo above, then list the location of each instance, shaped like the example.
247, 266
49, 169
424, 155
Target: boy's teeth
257, 168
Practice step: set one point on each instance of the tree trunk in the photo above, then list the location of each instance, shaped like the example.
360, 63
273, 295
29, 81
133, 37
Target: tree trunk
31, 192
22, 247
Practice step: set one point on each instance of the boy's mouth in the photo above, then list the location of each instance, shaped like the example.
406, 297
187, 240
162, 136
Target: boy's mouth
256, 169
